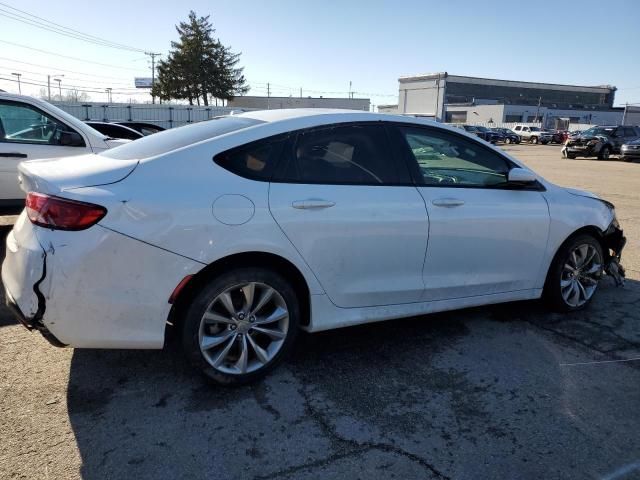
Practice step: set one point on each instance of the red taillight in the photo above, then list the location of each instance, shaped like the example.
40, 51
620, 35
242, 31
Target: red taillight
61, 213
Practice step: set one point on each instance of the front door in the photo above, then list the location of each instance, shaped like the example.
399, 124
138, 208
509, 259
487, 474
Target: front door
348, 207
484, 237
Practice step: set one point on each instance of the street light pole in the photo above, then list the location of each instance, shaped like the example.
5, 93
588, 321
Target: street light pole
59, 80
108, 90
19, 86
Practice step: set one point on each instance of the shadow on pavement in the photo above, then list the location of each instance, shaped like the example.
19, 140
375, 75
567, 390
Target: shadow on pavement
424, 395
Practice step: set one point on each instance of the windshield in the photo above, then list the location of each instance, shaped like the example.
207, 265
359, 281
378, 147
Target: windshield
175, 138
594, 131
483, 129
534, 129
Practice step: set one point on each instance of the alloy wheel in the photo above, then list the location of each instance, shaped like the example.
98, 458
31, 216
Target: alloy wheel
580, 275
243, 328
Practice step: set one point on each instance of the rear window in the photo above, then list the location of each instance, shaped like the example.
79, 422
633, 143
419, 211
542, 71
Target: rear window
175, 138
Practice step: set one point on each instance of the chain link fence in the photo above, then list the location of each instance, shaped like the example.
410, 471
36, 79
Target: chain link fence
166, 116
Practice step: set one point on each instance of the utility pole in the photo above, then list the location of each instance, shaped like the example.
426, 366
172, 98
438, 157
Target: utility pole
538, 111
300, 92
153, 71
19, 87
624, 114
108, 90
350, 96
268, 94
49, 87
59, 80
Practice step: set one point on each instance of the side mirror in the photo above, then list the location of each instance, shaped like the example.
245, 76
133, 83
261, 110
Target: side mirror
520, 175
71, 139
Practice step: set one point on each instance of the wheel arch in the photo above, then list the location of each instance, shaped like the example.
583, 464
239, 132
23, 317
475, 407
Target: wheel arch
592, 230
238, 260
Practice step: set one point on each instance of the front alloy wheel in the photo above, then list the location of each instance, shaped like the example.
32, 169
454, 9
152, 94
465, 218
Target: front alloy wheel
580, 275
241, 325
574, 274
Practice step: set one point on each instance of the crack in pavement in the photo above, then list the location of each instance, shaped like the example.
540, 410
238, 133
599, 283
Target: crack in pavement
349, 447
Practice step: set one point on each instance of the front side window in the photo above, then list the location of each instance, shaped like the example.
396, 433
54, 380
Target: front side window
20, 123
350, 154
446, 159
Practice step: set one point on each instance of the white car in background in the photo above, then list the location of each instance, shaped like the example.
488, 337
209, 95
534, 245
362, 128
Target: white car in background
31, 129
237, 232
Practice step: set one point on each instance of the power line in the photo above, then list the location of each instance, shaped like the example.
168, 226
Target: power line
68, 78
45, 24
67, 88
66, 56
59, 69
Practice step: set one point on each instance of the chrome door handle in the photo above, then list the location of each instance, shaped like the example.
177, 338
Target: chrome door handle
311, 204
447, 202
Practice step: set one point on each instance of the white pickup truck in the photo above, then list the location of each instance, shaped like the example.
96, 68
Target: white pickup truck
31, 129
532, 134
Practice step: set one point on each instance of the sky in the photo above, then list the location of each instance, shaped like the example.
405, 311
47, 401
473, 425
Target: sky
322, 46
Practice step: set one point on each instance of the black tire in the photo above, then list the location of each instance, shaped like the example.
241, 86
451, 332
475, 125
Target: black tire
507, 140
202, 301
552, 293
604, 153
534, 140
571, 156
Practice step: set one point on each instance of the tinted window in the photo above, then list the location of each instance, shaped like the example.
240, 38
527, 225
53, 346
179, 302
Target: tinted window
20, 123
629, 132
115, 131
353, 154
174, 138
256, 160
446, 159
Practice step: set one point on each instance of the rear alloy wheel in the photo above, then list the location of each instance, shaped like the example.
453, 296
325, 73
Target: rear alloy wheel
241, 325
507, 140
605, 153
574, 276
534, 140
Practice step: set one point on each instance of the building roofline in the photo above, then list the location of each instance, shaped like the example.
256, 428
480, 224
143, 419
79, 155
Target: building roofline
432, 76
301, 98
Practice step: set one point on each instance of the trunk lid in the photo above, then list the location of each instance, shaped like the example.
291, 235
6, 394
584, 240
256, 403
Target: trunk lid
59, 174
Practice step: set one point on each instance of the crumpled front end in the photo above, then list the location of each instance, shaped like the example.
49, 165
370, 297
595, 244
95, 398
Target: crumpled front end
583, 146
613, 242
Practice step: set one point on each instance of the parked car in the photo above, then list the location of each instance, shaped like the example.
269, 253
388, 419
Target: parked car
144, 128
557, 136
508, 135
490, 135
31, 128
600, 141
236, 233
630, 151
532, 134
113, 130
478, 132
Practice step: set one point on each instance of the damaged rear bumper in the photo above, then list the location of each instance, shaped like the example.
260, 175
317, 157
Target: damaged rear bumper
33, 323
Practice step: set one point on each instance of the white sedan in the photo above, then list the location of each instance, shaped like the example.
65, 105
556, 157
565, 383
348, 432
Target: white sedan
238, 232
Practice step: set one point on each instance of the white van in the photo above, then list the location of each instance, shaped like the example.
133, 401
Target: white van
31, 129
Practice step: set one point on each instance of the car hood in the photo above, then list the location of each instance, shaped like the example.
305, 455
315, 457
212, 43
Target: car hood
582, 193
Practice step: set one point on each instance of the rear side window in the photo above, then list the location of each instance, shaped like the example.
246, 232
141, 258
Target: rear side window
175, 138
256, 160
348, 154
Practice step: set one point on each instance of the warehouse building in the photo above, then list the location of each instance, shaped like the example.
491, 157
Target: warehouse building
267, 103
460, 99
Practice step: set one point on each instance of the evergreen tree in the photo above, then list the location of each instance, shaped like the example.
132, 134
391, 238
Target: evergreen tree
199, 66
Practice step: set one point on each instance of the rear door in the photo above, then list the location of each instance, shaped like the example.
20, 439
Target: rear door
350, 208
484, 238
27, 133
